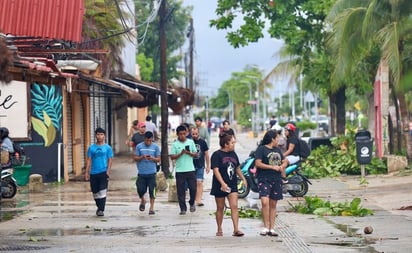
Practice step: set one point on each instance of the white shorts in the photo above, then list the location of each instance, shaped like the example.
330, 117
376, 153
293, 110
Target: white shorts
292, 159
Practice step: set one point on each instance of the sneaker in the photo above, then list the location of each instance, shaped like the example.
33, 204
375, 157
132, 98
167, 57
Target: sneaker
99, 213
272, 232
284, 180
182, 213
192, 208
264, 232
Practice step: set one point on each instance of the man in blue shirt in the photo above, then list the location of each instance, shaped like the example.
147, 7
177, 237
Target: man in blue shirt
147, 156
98, 166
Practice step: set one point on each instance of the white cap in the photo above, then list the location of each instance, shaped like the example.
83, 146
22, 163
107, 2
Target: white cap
276, 127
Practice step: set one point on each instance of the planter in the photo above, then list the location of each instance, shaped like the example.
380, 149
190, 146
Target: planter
172, 197
161, 181
21, 174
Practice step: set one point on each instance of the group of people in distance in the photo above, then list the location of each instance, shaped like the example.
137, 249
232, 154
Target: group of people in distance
190, 153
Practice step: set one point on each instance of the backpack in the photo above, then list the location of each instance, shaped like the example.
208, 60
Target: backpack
304, 150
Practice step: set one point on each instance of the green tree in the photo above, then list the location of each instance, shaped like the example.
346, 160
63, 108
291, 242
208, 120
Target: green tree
148, 35
359, 27
241, 88
146, 66
101, 29
300, 24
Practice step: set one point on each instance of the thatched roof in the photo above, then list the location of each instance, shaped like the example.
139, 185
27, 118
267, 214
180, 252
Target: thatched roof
6, 61
150, 92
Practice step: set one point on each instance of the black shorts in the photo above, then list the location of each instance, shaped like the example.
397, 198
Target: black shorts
145, 181
270, 188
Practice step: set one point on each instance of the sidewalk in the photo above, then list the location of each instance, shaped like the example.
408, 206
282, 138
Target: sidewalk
62, 219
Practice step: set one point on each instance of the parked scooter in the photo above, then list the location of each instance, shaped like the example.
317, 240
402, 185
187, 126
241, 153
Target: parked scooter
8, 184
297, 186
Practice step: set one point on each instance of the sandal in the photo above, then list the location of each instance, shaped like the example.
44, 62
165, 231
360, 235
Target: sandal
272, 232
142, 207
238, 233
219, 233
264, 232
151, 212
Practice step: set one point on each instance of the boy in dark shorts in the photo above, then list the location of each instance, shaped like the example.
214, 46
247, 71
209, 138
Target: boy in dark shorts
147, 155
98, 166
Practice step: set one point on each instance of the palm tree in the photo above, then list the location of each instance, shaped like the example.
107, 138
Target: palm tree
102, 28
360, 26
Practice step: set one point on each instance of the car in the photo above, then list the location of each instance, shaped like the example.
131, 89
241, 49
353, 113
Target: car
322, 120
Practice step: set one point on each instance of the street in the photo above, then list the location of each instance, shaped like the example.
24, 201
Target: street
62, 218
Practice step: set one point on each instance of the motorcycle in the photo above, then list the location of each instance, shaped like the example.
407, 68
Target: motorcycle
8, 184
297, 185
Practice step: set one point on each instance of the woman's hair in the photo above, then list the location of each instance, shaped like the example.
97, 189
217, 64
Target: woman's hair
267, 138
224, 138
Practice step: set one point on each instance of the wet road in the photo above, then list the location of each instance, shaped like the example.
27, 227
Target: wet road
62, 219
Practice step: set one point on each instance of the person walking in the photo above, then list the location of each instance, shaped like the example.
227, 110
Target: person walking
272, 121
199, 161
150, 126
138, 137
269, 163
204, 134
98, 166
226, 128
182, 151
225, 165
147, 156
133, 129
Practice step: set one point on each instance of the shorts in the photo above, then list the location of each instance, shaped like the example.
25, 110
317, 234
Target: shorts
292, 159
145, 181
200, 173
270, 188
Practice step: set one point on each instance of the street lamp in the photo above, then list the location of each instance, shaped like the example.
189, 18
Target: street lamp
231, 106
252, 117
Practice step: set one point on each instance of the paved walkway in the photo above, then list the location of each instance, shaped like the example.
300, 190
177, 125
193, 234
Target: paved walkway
62, 219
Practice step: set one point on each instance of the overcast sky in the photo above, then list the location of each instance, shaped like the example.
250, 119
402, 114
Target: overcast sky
215, 59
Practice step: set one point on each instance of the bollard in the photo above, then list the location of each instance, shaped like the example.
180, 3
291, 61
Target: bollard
35, 183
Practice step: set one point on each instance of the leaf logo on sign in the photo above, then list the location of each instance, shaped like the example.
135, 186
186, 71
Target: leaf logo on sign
45, 129
46, 111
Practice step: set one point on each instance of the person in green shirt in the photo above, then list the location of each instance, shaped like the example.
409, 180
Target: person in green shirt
182, 152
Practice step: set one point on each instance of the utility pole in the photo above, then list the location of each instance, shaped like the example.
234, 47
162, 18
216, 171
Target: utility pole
163, 90
191, 42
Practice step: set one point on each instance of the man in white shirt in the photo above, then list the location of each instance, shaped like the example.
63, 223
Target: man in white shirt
150, 126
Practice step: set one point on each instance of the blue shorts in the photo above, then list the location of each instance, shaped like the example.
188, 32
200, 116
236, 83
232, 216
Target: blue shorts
200, 173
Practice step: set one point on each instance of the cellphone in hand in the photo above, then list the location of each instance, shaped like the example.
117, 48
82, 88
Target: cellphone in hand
187, 147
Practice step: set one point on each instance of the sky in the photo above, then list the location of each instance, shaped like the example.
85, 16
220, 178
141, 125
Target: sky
215, 59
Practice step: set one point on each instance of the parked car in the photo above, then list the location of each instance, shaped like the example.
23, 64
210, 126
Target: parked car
322, 120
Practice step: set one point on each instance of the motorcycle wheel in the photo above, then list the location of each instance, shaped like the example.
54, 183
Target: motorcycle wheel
9, 189
242, 190
304, 187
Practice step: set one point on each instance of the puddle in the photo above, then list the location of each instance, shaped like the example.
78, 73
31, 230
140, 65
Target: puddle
140, 231
348, 230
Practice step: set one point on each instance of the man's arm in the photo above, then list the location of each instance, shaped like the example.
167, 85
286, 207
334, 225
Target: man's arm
87, 173
207, 159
